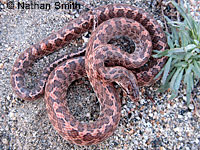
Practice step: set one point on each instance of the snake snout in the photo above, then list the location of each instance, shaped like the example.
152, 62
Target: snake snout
131, 89
133, 92
134, 95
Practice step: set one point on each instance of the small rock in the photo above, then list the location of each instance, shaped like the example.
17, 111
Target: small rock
135, 142
146, 137
184, 98
197, 141
162, 112
148, 130
168, 106
12, 115
177, 129
180, 116
160, 23
162, 148
191, 106
155, 115
3, 1
1, 65
9, 48
180, 138
85, 39
8, 97
189, 114
187, 148
142, 101
197, 14
150, 115
5, 141
193, 2
76, 15
88, 114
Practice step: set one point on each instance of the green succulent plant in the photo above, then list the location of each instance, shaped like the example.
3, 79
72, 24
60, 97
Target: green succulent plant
183, 64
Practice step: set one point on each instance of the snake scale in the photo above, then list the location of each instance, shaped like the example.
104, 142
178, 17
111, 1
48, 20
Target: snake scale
103, 63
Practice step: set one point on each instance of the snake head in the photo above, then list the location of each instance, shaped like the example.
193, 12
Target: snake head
132, 91
129, 86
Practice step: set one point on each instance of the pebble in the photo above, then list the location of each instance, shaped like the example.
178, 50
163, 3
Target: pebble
189, 114
1, 65
161, 23
162, 148
191, 106
2, 6
151, 115
184, 98
180, 116
76, 15
9, 48
4, 1
177, 129
135, 142
88, 114
12, 116
193, 2
187, 148
180, 138
5, 141
142, 101
145, 137
197, 141
85, 39
8, 97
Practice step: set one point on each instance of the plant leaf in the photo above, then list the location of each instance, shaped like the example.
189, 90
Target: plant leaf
166, 70
188, 56
196, 69
159, 74
187, 74
196, 42
191, 81
174, 78
170, 42
176, 50
182, 12
184, 38
188, 92
166, 85
181, 64
159, 53
190, 47
178, 80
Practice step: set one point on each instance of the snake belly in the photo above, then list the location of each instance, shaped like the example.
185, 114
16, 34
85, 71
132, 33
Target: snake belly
71, 67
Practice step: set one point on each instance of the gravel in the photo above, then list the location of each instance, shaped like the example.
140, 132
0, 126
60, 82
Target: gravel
153, 123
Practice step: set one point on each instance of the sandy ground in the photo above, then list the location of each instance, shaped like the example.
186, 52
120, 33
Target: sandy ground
24, 125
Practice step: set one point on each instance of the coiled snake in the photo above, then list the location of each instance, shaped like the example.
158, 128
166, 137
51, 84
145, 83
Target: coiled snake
102, 63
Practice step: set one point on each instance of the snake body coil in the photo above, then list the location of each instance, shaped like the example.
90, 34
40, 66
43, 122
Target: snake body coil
102, 63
